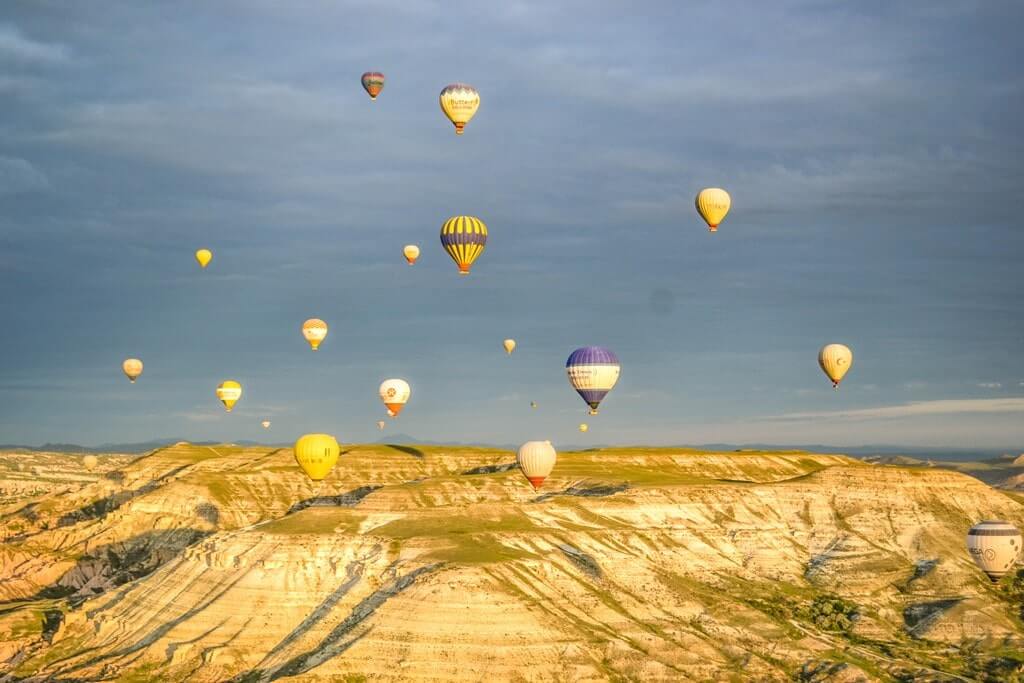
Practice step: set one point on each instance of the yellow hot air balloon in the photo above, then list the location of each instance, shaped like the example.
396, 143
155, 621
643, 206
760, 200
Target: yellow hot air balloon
835, 360
712, 204
317, 454
464, 238
510, 346
459, 103
89, 462
204, 256
132, 367
584, 427
533, 404
395, 394
536, 459
315, 331
411, 253
229, 391
380, 424
266, 424
994, 545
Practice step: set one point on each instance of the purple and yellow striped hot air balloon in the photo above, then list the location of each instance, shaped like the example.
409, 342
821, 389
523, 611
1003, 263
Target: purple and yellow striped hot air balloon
373, 82
464, 238
592, 371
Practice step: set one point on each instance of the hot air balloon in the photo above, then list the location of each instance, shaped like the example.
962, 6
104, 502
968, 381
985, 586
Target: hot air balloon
266, 424
380, 424
994, 547
204, 256
229, 391
533, 404
712, 205
510, 346
373, 82
89, 462
395, 393
315, 331
592, 371
536, 459
411, 253
584, 427
316, 454
459, 103
464, 238
835, 360
132, 367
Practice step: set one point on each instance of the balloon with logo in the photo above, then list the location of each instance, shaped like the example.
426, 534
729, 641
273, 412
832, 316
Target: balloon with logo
994, 546
411, 252
132, 368
315, 331
316, 454
204, 256
373, 83
592, 371
464, 238
459, 103
713, 204
510, 346
394, 393
229, 391
835, 361
536, 459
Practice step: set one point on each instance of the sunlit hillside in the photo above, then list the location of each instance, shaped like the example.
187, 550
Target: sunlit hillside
433, 563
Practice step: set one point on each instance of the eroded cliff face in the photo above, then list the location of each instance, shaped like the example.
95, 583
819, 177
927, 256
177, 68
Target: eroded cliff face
226, 563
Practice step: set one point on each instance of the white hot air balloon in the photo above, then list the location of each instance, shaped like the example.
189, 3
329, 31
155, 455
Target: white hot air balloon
835, 361
395, 394
536, 459
994, 546
266, 424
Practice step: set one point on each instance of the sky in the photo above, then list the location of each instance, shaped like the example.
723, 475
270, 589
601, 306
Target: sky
873, 152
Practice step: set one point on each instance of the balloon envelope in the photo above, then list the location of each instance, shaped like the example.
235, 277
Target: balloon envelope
459, 103
373, 83
712, 205
411, 253
510, 346
204, 256
316, 454
380, 424
395, 393
266, 424
464, 238
994, 547
835, 361
90, 462
315, 331
229, 391
584, 427
592, 371
536, 459
132, 368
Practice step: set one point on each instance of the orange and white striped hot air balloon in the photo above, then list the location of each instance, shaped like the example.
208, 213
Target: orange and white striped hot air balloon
315, 331
395, 394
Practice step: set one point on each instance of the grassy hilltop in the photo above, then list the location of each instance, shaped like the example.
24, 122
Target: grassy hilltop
224, 562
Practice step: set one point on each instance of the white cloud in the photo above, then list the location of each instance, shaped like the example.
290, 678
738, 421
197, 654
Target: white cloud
14, 46
18, 175
990, 385
915, 409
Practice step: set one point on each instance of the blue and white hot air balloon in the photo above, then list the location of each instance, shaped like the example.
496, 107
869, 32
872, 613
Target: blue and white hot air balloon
592, 371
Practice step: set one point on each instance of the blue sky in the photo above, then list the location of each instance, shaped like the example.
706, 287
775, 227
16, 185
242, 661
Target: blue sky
873, 152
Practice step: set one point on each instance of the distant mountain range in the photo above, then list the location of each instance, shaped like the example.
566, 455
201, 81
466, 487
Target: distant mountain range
936, 453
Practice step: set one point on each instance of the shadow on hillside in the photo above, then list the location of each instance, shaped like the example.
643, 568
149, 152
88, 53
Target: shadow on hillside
585, 491
408, 450
108, 566
490, 469
342, 500
104, 506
